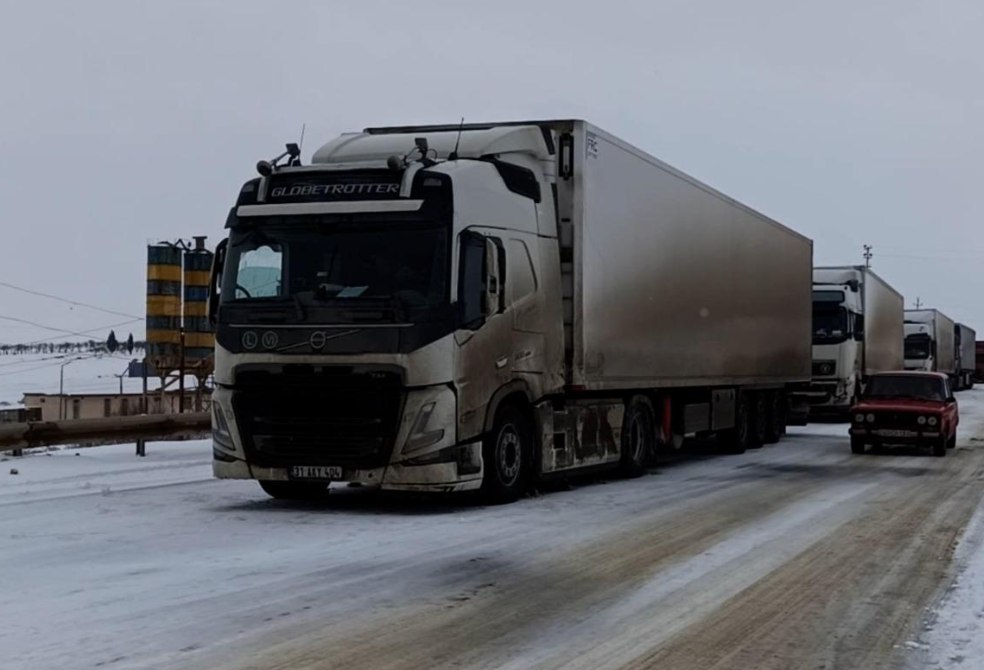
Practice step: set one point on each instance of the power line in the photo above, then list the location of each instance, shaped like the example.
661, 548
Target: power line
66, 300
63, 330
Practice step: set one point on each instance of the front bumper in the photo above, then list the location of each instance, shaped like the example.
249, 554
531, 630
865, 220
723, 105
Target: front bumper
896, 435
463, 473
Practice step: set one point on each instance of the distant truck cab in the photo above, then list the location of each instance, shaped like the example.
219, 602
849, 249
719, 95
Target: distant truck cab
906, 408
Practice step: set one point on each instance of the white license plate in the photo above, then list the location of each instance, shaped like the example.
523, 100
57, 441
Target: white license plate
321, 472
897, 433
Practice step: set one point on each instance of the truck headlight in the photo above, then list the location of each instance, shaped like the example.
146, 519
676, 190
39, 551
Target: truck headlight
432, 411
221, 433
870, 418
932, 421
921, 421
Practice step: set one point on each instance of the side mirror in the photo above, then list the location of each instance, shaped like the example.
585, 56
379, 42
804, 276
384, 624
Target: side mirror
215, 280
951, 401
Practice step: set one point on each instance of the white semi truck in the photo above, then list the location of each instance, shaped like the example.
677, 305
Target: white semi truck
930, 342
966, 352
452, 308
857, 331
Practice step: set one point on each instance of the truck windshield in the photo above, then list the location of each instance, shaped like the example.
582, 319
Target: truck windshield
918, 347
324, 263
829, 323
901, 386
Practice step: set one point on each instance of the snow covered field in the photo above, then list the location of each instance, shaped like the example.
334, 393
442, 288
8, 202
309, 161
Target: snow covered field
797, 555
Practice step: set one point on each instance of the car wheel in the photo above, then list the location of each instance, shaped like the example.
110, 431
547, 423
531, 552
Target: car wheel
952, 442
638, 437
857, 445
939, 447
507, 454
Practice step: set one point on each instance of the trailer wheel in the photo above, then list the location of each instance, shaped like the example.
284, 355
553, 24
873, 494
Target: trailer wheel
759, 420
776, 423
294, 490
638, 437
736, 440
507, 456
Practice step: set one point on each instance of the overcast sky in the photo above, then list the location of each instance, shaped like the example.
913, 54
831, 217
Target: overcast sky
128, 122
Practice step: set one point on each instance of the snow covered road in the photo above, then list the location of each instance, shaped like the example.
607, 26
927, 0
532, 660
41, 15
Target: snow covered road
797, 555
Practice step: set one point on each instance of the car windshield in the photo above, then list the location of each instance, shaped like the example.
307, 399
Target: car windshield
339, 263
918, 347
906, 386
829, 323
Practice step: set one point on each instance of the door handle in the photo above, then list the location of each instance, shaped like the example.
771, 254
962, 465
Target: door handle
501, 363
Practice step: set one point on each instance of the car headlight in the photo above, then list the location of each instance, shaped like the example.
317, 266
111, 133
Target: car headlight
921, 420
870, 418
859, 418
433, 422
932, 421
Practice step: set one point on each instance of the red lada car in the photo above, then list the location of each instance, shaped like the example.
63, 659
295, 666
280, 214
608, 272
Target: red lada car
914, 408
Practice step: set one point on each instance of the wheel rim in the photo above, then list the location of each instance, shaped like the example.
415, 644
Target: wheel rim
508, 455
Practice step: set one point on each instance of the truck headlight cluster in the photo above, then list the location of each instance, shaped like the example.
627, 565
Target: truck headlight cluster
433, 413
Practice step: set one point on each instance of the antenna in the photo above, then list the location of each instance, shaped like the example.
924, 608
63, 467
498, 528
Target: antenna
300, 142
453, 156
867, 255
918, 302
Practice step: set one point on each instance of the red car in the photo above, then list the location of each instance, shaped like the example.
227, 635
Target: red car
914, 408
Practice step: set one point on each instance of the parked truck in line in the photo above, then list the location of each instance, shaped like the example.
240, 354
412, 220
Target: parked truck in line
452, 308
930, 342
965, 346
979, 362
857, 331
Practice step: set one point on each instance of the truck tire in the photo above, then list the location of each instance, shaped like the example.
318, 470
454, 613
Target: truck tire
857, 445
736, 440
294, 490
759, 420
638, 437
776, 417
507, 456
939, 447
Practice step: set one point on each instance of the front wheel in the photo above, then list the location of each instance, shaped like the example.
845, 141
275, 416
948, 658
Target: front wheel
507, 455
857, 445
939, 447
952, 442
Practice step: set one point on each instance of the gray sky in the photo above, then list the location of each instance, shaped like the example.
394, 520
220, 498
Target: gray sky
126, 122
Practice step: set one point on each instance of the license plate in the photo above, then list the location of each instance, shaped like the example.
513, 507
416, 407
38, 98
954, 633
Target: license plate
321, 472
897, 433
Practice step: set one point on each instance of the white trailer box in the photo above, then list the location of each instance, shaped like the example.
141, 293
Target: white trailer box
930, 341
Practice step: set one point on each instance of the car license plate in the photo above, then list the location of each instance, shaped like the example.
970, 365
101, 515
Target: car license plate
897, 433
320, 472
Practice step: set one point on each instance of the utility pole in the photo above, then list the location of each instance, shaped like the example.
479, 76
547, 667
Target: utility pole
867, 255
918, 302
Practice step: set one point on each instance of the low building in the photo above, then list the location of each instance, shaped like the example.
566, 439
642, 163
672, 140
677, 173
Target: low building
52, 406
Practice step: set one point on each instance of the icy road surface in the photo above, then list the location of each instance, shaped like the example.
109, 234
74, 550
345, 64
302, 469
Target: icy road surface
798, 555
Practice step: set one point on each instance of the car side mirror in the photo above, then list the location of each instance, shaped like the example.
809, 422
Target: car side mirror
951, 401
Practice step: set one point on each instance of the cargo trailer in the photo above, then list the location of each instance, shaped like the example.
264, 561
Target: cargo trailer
966, 351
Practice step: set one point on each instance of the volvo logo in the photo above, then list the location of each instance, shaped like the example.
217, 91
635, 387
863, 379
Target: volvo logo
270, 340
319, 338
250, 340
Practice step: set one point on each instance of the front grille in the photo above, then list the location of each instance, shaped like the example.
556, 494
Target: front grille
897, 419
307, 415
824, 368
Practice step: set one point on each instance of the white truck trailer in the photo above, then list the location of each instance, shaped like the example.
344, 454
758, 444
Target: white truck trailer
451, 308
930, 342
966, 351
857, 330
